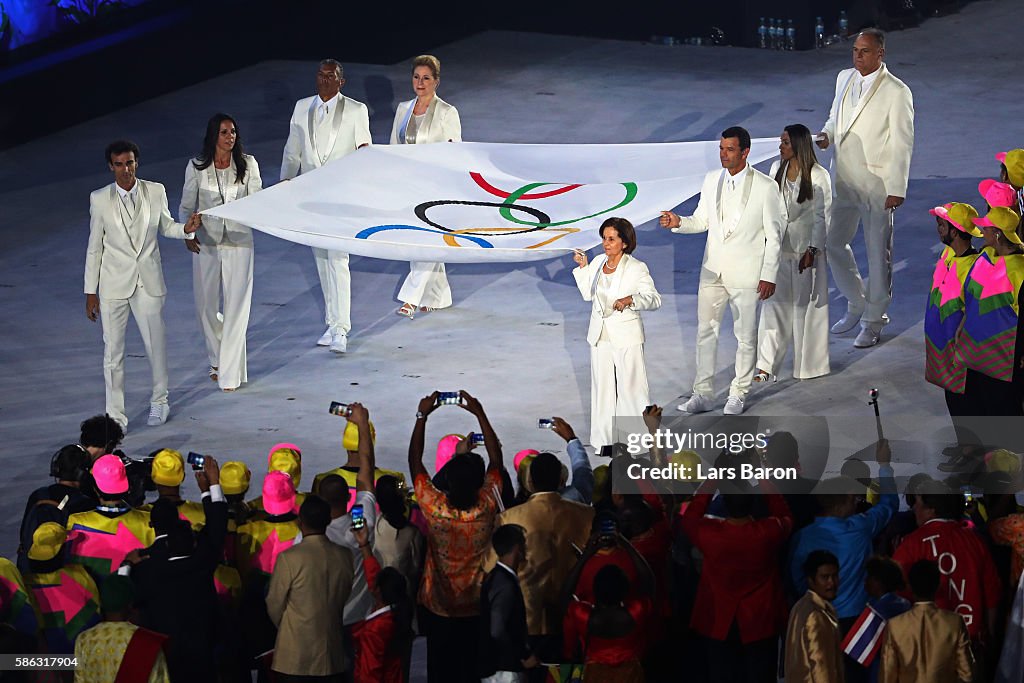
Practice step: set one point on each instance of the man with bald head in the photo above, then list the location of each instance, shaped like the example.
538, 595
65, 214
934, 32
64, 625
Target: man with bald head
871, 128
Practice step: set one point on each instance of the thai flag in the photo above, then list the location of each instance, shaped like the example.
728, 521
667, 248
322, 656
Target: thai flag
864, 638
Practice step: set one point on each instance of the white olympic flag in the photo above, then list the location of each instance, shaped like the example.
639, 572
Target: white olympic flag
479, 202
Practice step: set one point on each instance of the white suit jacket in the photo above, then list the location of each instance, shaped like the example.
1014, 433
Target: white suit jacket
202, 192
874, 140
350, 129
806, 224
118, 257
751, 252
441, 123
632, 278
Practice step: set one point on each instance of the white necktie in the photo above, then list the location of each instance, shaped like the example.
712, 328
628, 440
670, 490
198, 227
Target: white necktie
323, 112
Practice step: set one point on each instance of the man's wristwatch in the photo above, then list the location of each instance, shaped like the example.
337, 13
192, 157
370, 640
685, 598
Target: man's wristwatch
420, 415
813, 250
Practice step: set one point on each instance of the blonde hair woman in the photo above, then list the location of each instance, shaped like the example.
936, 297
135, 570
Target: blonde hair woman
425, 119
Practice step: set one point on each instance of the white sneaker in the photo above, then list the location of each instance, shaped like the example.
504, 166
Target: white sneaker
846, 323
158, 413
326, 338
867, 338
733, 406
696, 404
339, 343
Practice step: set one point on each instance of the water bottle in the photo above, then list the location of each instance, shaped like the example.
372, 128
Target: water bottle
762, 35
844, 25
773, 34
790, 36
819, 33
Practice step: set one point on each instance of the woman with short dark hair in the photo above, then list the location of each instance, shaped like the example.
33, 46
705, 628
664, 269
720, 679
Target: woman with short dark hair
619, 287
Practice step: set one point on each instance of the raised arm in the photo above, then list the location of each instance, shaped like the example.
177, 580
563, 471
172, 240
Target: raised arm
360, 417
491, 442
426, 407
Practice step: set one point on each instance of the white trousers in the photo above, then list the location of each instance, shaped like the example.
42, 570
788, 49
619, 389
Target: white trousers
426, 285
227, 271
872, 301
712, 296
336, 283
147, 311
618, 386
798, 313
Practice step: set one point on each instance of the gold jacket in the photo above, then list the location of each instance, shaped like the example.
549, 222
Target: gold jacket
814, 652
926, 644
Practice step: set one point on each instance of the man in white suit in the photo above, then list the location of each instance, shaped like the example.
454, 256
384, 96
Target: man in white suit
741, 210
123, 273
325, 127
871, 126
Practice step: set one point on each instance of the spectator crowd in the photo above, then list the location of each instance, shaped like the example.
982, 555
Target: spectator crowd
545, 573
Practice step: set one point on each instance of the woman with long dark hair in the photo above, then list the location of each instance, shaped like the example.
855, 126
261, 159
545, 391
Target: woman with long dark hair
798, 312
223, 260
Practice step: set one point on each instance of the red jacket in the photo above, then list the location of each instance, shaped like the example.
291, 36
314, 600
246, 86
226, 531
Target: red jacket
372, 639
970, 584
740, 581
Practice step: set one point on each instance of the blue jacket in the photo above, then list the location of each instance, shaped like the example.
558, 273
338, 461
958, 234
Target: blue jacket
850, 540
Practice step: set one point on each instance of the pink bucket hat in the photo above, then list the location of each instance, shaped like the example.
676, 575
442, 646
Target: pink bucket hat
446, 449
108, 473
997, 193
278, 493
522, 455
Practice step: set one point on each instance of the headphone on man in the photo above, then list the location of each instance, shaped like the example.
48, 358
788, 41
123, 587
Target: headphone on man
71, 460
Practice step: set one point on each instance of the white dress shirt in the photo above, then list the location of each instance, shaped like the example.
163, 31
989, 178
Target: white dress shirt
862, 84
732, 195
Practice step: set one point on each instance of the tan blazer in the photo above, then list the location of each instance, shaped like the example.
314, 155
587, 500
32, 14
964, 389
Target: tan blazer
308, 591
350, 130
874, 140
806, 223
926, 644
751, 251
441, 123
814, 652
552, 525
121, 257
632, 278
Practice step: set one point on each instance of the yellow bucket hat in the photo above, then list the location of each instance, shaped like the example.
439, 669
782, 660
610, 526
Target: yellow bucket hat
168, 468
1006, 220
284, 460
47, 541
959, 215
1014, 163
350, 441
688, 462
234, 478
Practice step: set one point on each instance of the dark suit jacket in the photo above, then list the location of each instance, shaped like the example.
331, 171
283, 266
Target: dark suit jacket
503, 637
178, 598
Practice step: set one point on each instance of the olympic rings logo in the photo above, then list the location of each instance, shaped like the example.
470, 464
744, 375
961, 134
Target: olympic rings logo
551, 230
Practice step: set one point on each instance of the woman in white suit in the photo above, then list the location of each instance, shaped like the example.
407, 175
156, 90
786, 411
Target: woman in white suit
799, 310
423, 120
223, 249
618, 287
